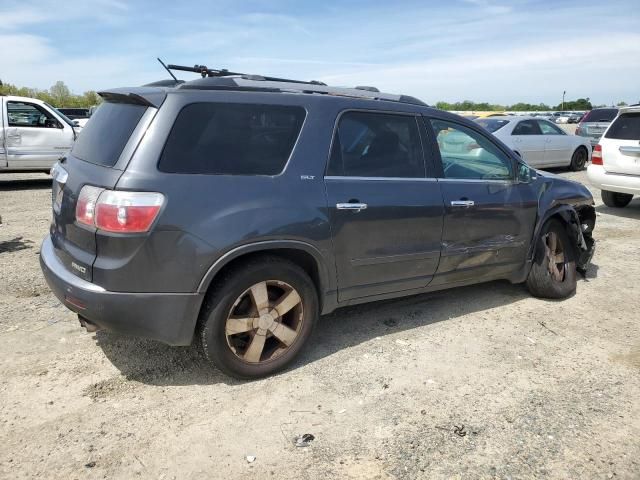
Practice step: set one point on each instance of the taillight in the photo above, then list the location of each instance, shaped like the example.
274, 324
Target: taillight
86, 206
596, 155
118, 211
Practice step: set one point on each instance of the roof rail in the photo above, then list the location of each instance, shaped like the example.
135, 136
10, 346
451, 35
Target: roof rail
204, 71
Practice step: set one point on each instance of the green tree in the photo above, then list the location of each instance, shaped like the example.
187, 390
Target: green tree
58, 95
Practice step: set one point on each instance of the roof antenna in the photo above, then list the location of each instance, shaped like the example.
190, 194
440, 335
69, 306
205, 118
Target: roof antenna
167, 69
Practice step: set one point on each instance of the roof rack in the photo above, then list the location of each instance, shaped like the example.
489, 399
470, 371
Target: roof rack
204, 71
223, 79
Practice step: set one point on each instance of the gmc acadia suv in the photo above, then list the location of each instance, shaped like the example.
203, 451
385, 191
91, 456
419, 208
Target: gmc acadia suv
234, 210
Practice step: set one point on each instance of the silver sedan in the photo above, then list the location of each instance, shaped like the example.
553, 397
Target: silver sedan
539, 142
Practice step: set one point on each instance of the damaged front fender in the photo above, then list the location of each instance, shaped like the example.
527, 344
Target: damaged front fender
572, 203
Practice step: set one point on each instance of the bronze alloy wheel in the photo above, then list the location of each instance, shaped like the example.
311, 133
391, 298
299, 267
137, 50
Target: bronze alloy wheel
264, 321
555, 254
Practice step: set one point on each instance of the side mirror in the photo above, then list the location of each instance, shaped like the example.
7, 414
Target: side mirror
525, 174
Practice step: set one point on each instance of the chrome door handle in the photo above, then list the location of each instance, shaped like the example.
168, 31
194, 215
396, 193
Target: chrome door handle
462, 203
633, 151
356, 207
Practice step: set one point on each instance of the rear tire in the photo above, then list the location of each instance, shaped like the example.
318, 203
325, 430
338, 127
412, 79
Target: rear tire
615, 199
579, 159
553, 273
241, 331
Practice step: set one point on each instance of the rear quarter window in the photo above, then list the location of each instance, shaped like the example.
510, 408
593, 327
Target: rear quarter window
102, 140
232, 139
625, 127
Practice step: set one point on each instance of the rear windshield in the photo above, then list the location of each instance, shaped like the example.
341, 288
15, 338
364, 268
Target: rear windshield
492, 124
102, 140
600, 115
626, 127
232, 139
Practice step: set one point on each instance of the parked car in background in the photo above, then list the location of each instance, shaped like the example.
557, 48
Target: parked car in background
595, 122
80, 116
615, 168
33, 134
539, 142
233, 211
567, 117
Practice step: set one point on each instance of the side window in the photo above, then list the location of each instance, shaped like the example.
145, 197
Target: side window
527, 127
20, 114
231, 139
467, 154
377, 145
548, 128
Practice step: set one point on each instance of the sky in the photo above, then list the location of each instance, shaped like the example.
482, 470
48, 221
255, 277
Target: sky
451, 50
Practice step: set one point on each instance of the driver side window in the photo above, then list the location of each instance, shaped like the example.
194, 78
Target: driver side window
22, 114
469, 155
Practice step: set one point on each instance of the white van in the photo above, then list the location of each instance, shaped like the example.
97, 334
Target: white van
33, 134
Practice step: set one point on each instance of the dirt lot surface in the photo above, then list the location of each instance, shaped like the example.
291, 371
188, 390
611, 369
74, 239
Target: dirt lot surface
534, 388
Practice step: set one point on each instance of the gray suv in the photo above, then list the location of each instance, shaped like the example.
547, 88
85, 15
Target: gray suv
234, 210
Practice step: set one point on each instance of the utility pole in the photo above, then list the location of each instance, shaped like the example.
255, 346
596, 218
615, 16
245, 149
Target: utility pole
563, 94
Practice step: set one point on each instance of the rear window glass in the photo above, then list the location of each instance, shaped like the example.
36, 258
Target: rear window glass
491, 124
600, 115
626, 127
102, 140
232, 139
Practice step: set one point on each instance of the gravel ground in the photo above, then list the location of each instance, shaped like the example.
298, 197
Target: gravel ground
534, 388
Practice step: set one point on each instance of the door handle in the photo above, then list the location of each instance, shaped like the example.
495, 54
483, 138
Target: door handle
631, 151
462, 203
356, 207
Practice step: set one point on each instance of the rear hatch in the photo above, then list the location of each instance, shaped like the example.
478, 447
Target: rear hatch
621, 144
595, 123
98, 158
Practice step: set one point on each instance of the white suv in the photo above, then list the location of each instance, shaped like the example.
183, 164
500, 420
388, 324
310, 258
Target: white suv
615, 162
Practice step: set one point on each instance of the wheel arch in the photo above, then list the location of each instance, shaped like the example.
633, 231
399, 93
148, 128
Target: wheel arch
573, 219
305, 255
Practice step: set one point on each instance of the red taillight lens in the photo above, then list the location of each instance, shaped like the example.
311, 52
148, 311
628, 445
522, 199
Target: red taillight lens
596, 155
118, 211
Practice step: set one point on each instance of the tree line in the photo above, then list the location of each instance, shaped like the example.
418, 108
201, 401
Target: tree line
468, 105
59, 95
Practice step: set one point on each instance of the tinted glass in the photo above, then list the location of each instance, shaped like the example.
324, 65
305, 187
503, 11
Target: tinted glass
22, 114
491, 124
377, 145
548, 128
527, 127
600, 115
467, 154
626, 127
103, 139
231, 139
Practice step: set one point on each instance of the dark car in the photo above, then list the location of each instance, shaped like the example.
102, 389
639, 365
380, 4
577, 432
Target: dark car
75, 113
594, 123
233, 211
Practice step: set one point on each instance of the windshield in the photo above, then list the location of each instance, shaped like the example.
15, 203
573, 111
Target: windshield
66, 119
492, 124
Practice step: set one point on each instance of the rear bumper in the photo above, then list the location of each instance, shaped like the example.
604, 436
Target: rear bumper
613, 182
166, 317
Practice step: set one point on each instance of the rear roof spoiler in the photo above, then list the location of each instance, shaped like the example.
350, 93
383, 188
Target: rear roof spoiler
149, 97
